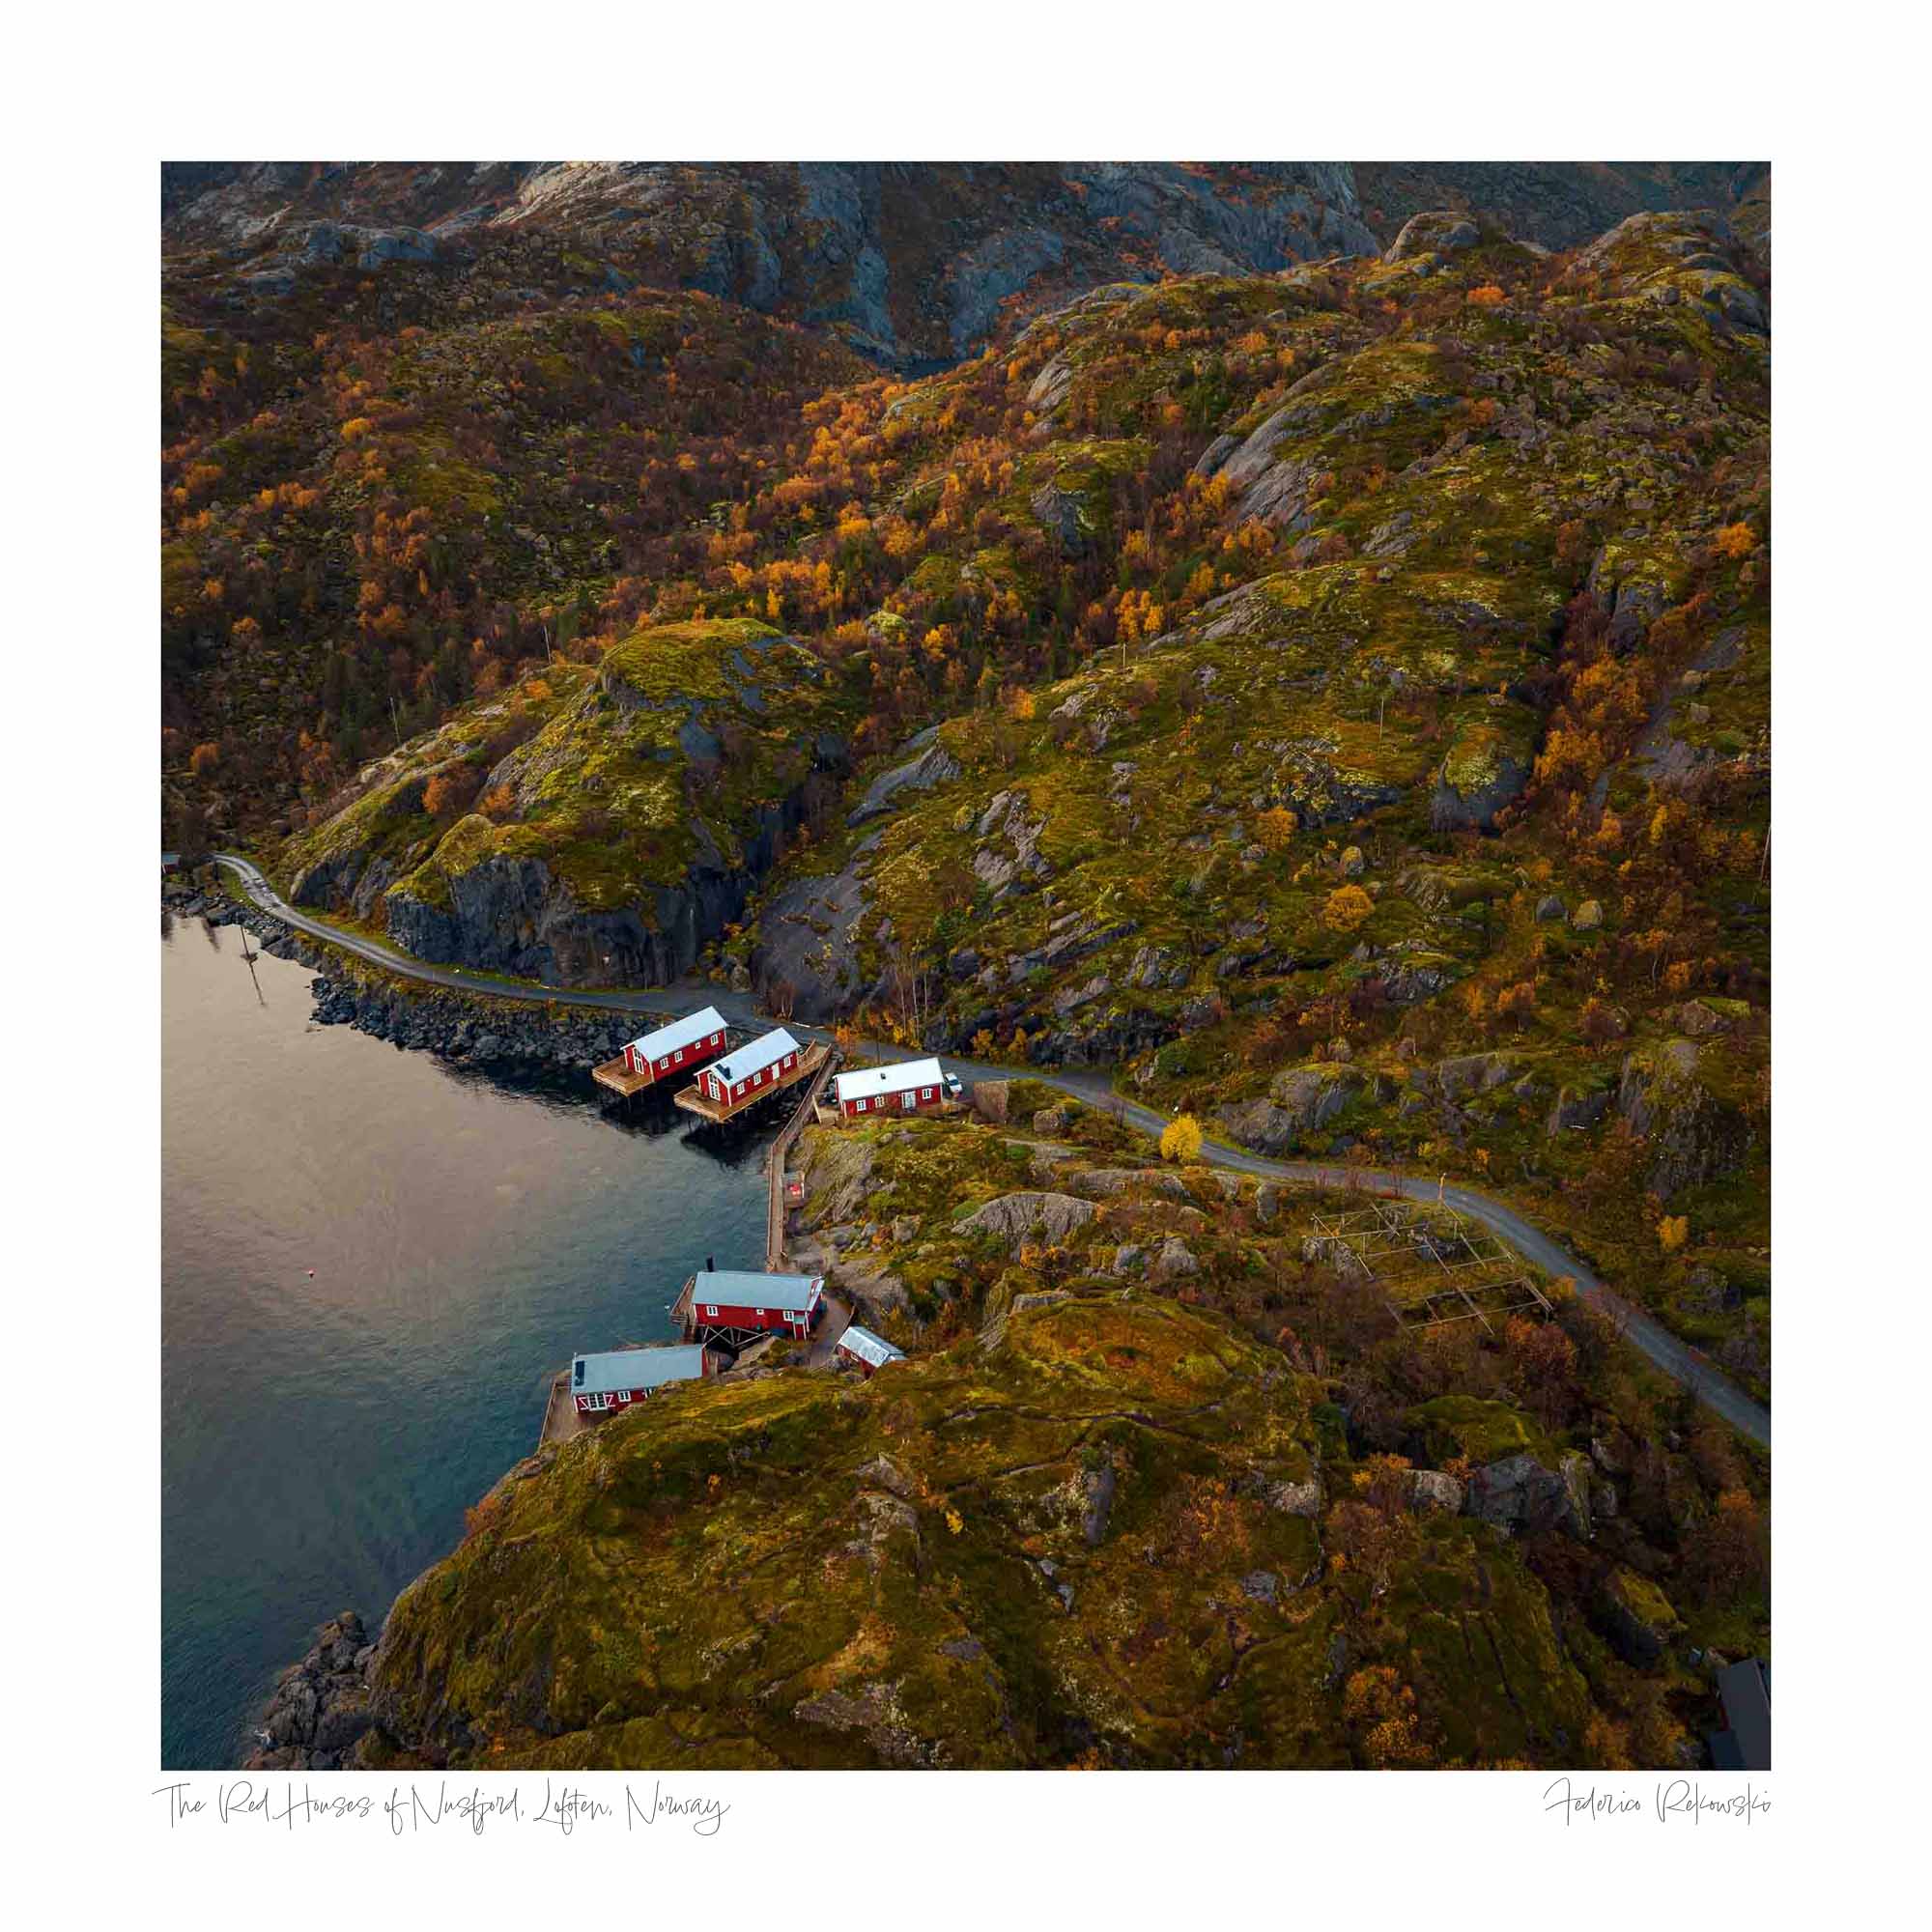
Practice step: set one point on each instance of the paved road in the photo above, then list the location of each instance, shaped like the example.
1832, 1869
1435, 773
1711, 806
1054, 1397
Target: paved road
1681, 1363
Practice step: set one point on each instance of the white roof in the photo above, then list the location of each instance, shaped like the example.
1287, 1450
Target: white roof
736, 1287
871, 1348
761, 1052
634, 1369
888, 1079
679, 1032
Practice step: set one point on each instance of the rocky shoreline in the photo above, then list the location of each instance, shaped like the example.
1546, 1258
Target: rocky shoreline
321, 1708
480, 1032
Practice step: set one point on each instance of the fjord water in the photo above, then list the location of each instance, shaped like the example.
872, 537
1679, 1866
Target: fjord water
323, 1434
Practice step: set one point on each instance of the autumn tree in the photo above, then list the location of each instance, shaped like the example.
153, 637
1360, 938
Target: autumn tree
1275, 828
1729, 1555
1181, 1139
1346, 908
1381, 1709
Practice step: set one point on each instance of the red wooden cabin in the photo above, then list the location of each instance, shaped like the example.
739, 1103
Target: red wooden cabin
673, 1048
737, 1306
912, 1087
871, 1351
600, 1384
751, 1070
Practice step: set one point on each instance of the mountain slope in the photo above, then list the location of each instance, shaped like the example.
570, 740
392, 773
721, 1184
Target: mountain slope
913, 263
1153, 1490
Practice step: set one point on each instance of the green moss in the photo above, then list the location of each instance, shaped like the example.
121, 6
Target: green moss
1482, 1431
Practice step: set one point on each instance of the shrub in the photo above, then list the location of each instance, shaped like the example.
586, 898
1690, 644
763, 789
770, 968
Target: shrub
1346, 908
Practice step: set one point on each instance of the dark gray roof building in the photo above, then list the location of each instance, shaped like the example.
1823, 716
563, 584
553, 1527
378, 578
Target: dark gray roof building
1745, 1744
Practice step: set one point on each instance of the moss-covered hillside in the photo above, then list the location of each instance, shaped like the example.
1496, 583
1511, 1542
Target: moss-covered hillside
1337, 699
1192, 1505
596, 825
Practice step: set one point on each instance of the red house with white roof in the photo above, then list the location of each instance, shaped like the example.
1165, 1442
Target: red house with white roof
735, 1306
600, 1384
912, 1087
751, 1070
871, 1351
683, 1043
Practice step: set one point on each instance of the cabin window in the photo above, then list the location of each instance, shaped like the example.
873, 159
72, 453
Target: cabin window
711, 1308
623, 1395
677, 1057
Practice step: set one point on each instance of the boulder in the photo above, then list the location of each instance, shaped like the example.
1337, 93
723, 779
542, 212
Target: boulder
1303, 1498
1301, 1101
1048, 388
1589, 916
1435, 1490
1013, 1217
1485, 767
1518, 1495
1640, 1618
990, 1101
1549, 908
1175, 1258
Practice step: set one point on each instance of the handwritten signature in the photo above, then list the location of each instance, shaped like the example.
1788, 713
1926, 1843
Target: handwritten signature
1675, 1800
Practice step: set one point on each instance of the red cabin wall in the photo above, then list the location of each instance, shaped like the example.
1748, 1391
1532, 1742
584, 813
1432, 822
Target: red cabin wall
732, 1316
720, 1092
682, 1061
893, 1101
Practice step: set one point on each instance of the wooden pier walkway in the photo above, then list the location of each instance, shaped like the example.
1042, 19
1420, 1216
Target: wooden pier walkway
779, 1152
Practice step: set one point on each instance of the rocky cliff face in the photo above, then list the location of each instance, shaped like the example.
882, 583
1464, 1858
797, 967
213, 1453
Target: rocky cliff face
914, 263
521, 915
623, 816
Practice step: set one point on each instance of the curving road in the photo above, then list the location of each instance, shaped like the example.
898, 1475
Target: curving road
1678, 1360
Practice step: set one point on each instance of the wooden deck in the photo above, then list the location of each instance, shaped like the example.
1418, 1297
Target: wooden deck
694, 1100
561, 1420
619, 1080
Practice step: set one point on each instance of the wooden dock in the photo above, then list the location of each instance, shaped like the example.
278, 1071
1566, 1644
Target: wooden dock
780, 1150
694, 1100
616, 1077
561, 1420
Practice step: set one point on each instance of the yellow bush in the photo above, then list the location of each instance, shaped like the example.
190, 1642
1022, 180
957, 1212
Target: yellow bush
1346, 908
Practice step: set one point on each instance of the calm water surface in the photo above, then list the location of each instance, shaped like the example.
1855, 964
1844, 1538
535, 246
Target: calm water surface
321, 1435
